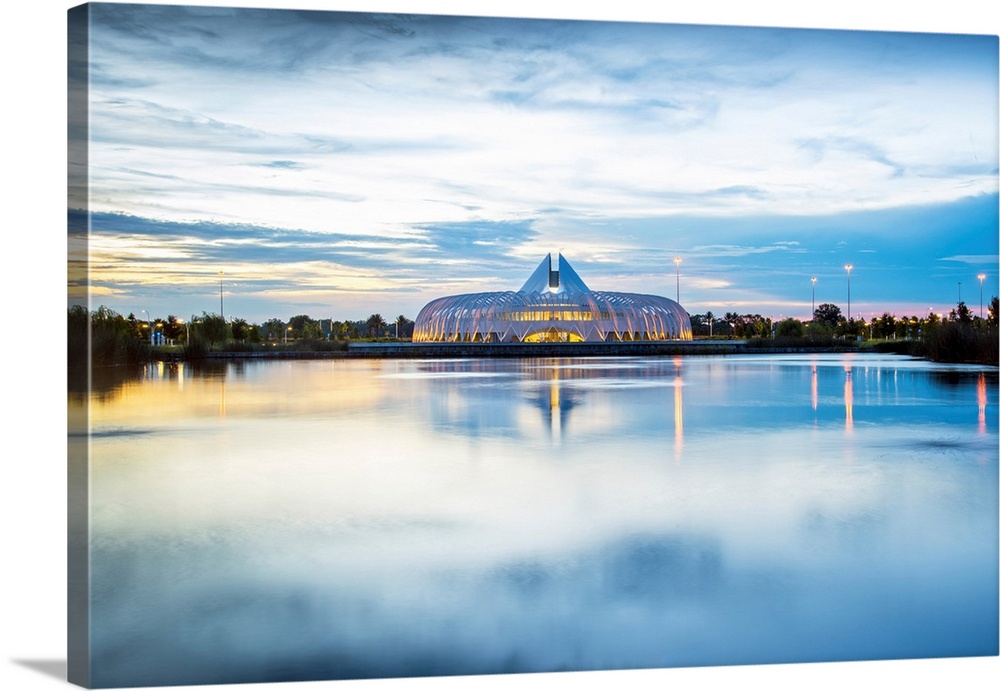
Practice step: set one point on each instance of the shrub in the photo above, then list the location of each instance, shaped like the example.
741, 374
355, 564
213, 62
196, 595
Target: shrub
108, 339
960, 342
197, 348
789, 328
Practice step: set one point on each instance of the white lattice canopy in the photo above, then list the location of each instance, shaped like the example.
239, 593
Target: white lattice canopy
553, 305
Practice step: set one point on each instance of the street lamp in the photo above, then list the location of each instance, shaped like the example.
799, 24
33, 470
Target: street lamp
149, 323
813, 313
677, 264
981, 277
960, 292
849, 267
222, 311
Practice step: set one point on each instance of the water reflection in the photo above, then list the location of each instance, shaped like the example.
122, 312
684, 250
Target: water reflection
981, 400
100, 383
814, 388
678, 416
848, 400
307, 520
555, 410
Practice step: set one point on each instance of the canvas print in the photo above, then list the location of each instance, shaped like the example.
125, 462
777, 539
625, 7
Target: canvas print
422, 345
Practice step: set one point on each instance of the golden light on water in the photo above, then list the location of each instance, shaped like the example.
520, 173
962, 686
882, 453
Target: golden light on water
848, 400
981, 400
179, 393
555, 415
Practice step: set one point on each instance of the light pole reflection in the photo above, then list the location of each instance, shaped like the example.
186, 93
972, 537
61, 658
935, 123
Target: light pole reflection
981, 400
678, 412
848, 400
815, 389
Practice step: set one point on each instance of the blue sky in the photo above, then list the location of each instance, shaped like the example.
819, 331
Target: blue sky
339, 164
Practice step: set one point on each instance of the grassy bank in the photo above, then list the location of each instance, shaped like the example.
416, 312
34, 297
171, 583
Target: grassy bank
950, 342
200, 348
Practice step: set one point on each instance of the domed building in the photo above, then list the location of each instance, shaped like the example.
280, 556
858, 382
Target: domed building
554, 305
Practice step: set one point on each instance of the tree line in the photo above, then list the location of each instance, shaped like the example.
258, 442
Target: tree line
959, 336
828, 321
110, 337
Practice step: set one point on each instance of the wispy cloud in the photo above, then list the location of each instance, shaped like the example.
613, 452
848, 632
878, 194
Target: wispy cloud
974, 259
707, 251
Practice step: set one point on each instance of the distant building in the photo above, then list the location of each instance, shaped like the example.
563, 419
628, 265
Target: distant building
553, 305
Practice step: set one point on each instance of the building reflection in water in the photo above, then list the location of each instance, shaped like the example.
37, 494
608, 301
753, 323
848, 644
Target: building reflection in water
553, 400
568, 396
555, 416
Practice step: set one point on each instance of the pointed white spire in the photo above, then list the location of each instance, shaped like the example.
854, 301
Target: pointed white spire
554, 277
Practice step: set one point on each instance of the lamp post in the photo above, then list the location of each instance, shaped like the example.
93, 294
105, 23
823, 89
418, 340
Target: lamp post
813, 313
960, 292
677, 264
849, 267
149, 323
981, 277
222, 311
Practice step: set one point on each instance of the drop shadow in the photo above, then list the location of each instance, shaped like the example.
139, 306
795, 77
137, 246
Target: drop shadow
50, 668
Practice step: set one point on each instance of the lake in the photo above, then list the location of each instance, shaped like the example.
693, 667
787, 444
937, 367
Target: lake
293, 520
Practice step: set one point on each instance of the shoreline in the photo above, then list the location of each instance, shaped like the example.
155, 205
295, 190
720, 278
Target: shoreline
514, 350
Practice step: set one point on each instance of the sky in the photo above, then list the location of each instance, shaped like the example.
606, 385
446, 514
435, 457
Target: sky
338, 164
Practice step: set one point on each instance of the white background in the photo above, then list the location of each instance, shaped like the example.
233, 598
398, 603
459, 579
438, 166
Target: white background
32, 338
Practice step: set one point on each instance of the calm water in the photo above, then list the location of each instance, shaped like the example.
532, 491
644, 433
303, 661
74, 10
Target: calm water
332, 519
